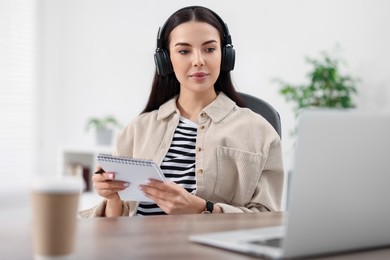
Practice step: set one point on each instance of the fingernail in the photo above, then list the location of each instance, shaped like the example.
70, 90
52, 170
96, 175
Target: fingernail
111, 176
126, 184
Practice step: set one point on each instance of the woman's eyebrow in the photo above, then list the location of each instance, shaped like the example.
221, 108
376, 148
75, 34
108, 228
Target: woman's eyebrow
182, 44
208, 42
187, 44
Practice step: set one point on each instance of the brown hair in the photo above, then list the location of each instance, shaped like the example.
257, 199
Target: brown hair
166, 87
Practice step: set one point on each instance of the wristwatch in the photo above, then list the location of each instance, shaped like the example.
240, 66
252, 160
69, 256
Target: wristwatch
209, 207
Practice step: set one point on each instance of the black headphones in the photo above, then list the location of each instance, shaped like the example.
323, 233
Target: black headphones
161, 56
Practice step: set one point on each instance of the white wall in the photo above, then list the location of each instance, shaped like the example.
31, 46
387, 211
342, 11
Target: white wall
97, 56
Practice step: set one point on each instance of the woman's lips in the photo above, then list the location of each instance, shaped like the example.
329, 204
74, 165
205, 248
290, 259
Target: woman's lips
199, 76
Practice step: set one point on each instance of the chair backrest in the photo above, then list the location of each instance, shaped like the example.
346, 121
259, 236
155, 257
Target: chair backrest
264, 109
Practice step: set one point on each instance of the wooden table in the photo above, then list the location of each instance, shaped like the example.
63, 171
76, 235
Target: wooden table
158, 237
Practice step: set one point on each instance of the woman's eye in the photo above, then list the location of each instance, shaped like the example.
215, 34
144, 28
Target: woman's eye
210, 49
183, 51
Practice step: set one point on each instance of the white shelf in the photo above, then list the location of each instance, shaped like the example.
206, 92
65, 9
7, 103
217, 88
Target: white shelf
80, 160
87, 149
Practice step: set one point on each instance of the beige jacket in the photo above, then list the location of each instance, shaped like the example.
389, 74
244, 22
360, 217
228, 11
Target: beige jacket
238, 157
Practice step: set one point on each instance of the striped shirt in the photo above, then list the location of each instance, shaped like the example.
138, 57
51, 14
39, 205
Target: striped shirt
179, 163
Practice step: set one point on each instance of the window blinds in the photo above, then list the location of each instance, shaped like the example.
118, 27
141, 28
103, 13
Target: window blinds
18, 117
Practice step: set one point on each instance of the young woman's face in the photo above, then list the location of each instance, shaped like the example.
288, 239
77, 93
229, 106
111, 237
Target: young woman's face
195, 53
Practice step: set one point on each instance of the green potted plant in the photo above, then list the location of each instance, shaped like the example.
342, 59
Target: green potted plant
104, 127
327, 87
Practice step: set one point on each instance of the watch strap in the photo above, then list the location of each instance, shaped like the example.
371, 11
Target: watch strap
209, 207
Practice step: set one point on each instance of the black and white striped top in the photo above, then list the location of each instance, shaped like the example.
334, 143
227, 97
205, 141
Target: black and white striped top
179, 163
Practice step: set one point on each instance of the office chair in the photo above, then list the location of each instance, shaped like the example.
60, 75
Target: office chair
264, 109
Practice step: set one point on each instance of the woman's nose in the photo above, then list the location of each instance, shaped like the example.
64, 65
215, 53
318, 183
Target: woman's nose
198, 59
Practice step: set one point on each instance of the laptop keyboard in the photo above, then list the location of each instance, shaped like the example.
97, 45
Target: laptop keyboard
273, 242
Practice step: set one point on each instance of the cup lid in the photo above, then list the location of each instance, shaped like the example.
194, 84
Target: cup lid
57, 184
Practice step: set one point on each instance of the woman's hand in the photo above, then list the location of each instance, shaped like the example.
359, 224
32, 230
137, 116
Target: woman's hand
107, 187
172, 198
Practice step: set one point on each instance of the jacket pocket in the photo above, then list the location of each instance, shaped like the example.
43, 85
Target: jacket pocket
238, 173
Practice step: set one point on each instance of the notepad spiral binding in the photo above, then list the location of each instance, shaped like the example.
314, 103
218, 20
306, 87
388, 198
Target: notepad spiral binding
124, 160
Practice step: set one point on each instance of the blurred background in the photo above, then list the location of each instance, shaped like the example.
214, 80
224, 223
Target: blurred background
63, 62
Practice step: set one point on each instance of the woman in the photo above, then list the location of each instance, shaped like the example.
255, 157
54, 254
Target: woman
219, 156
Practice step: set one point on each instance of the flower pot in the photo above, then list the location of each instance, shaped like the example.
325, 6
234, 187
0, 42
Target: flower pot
104, 136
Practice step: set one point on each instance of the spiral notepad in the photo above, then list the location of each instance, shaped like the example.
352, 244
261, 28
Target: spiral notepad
135, 171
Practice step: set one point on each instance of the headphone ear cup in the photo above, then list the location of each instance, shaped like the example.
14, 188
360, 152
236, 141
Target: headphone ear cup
163, 62
228, 58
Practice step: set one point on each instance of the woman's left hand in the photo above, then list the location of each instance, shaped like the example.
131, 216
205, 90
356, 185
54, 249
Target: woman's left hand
172, 198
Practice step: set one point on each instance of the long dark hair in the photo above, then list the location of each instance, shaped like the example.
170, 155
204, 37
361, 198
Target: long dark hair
166, 87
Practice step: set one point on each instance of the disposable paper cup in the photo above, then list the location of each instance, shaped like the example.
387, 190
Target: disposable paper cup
54, 204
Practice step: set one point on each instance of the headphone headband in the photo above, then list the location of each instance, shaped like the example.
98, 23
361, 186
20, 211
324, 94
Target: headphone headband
226, 34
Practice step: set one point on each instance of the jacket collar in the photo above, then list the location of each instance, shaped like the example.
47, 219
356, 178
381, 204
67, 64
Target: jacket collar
216, 110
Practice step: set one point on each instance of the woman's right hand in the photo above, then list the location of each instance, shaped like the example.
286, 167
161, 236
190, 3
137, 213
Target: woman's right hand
107, 187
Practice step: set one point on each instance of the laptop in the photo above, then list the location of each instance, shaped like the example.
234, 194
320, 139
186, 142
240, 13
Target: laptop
339, 192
